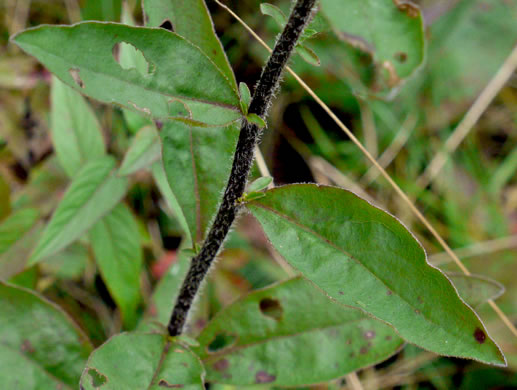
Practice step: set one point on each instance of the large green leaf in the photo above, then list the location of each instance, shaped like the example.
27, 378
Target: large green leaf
40, 347
17, 236
95, 190
363, 257
190, 19
145, 149
115, 241
181, 81
291, 334
142, 361
198, 161
76, 133
391, 31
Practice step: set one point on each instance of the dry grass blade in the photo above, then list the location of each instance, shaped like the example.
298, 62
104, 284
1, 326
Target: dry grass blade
392, 183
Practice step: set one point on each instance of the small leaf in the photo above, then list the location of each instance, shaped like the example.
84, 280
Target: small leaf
116, 244
249, 196
298, 337
245, 97
18, 234
160, 364
95, 190
275, 12
198, 161
364, 258
182, 82
256, 120
40, 346
145, 149
260, 184
475, 289
76, 133
308, 55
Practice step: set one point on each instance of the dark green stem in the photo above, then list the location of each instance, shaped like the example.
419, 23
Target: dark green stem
242, 162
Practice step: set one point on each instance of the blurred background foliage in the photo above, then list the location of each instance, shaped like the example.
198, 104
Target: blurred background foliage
472, 201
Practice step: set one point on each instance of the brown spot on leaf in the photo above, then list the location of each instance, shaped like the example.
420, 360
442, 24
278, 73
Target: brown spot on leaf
420, 300
158, 124
389, 292
388, 338
417, 311
221, 365
271, 308
167, 385
341, 293
407, 7
264, 377
74, 72
27, 347
363, 350
401, 57
480, 336
369, 335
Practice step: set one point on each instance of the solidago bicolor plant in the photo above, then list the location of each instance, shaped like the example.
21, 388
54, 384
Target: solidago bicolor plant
364, 286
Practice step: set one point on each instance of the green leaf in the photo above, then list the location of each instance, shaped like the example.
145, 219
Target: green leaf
116, 244
95, 190
165, 294
256, 120
190, 19
172, 202
76, 133
18, 234
198, 161
145, 149
391, 31
475, 289
40, 346
275, 12
142, 361
181, 82
245, 97
308, 55
364, 258
260, 184
291, 334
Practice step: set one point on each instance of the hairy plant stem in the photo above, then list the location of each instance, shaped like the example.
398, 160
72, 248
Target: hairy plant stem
242, 162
